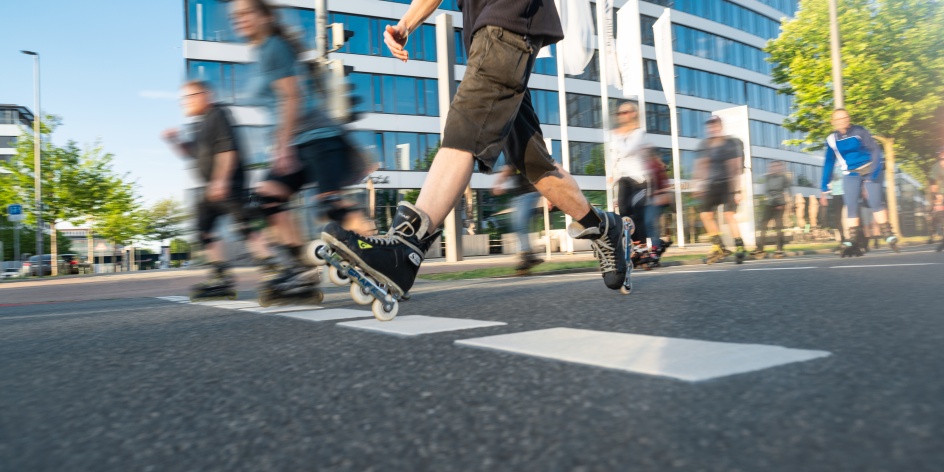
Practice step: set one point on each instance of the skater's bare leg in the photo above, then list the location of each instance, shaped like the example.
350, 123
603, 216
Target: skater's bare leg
447, 179
214, 252
881, 217
708, 219
560, 188
731, 220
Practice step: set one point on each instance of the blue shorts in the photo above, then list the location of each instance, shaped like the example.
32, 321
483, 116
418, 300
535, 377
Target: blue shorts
855, 185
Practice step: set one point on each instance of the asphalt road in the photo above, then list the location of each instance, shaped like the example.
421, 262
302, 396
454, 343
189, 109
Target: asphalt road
148, 384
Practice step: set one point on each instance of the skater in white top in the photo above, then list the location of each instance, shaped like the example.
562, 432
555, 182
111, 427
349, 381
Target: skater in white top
629, 169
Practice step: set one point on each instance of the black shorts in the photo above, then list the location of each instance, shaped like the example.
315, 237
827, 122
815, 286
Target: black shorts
718, 193
325, 161
492, 110
209, 212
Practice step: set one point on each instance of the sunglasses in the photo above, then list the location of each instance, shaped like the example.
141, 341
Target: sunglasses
625, 112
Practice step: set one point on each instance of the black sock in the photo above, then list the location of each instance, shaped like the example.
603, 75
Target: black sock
590, 220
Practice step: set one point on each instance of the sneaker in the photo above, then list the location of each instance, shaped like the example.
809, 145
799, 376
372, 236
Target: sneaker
393, 259
607, 246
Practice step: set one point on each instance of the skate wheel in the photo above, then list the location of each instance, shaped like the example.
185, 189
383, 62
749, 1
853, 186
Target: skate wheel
317, 297
311, 253
360, 295
626, 290
264, 300
336, 277
384, 313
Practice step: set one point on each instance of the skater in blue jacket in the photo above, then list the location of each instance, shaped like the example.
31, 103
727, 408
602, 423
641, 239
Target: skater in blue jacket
861, 161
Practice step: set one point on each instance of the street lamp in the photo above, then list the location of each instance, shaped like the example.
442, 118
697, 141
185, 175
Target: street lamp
37, 141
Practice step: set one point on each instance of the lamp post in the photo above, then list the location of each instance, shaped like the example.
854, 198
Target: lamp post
835, 50
37, 141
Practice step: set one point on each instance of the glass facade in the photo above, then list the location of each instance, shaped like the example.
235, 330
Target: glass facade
7, 142
711, 46
395, 94
383, 145
727, 13
226, 78
586, 158
300, 24
208, 20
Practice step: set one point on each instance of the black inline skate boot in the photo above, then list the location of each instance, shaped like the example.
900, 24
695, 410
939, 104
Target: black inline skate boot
393, 259
851, 247
889, 236
289, 285
606, 240
221, 285
717, 252
740, 253
526, 260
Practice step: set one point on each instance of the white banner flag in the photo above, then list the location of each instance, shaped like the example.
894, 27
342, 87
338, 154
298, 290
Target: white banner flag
577, 46
629, 50
662, 30
613, 76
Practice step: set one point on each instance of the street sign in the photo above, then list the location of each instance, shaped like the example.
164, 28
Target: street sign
14, 212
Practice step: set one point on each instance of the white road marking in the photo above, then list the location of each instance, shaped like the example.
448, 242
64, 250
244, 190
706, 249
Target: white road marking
885, 265
782, 268
326, 315
416, 325
282, 309
175, 298
683, 359
228, 304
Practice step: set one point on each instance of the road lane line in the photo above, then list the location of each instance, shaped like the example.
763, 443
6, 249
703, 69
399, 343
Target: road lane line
782, 268
415, 325
885, 265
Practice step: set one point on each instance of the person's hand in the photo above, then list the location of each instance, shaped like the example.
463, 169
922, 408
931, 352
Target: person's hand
822, 200
395, 37
497, 190
217, 191
285, 162
609, 180
738, 197
171, 135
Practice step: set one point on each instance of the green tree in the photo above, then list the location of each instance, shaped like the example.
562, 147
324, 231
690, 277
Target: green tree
28, 241
893, 72
179, 246
165, 220
121, 218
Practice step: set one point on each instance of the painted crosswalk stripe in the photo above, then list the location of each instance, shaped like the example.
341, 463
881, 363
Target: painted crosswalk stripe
230, 304
281, 309
416, 325
175, 298
683, 359
326, 315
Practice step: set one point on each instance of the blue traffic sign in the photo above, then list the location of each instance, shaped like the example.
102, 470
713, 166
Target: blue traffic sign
14, 212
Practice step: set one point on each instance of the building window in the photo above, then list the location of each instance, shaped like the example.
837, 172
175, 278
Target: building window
384, 146
208, 20
587, 158
584, 111
7, 142
710, 46
592, 71
227, 79
546, 105
728, 13
658, 120
300, 24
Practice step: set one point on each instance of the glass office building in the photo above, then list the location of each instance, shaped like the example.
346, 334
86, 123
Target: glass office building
719, 60
14, 119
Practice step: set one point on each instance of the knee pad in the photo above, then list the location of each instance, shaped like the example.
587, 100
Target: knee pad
335, 208
269, 206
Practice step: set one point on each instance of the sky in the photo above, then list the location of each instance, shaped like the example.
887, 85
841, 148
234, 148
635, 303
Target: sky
110, 70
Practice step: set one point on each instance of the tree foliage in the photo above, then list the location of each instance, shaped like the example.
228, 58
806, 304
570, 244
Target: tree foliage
893, 72
165, 219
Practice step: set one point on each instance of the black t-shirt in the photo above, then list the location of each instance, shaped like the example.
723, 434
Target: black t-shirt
535, 18
215, 135
718, 156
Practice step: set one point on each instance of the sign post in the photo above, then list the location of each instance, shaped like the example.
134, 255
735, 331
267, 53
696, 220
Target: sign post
15, 215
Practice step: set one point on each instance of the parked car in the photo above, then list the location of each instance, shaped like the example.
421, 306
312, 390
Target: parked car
10, 273
31, 266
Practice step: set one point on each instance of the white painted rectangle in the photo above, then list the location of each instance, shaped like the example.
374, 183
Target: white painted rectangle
175, 298
229, 304
416, 325
282, 309
327, 315
684, 359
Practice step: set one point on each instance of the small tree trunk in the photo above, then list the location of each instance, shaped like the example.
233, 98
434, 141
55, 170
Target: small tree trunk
53, 250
